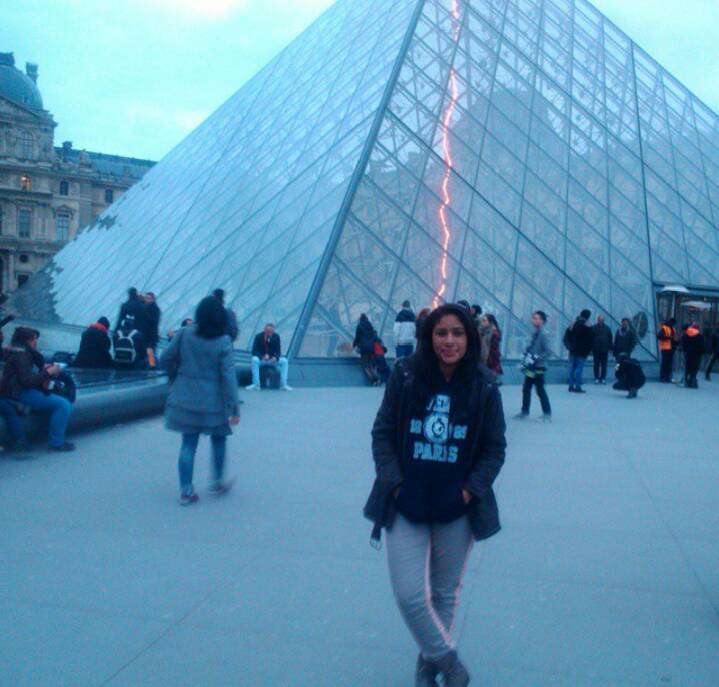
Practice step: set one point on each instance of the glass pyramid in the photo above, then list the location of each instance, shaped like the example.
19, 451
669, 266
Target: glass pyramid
521, 154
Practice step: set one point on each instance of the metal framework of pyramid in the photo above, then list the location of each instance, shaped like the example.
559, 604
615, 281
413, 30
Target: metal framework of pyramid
521, 154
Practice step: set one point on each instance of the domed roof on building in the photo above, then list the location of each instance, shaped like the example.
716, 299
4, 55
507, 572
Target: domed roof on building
19, 87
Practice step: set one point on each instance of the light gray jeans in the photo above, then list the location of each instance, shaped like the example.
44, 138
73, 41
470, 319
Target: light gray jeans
426, 566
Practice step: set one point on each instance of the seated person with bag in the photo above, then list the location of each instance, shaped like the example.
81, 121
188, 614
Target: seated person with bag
27, 379
267, 350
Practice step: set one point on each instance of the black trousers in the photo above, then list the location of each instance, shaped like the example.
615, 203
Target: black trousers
710, 364
665, 372
693, 362
600, 365
368, 367
538, 382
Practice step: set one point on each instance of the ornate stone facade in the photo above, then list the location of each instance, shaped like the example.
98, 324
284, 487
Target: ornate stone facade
47, 194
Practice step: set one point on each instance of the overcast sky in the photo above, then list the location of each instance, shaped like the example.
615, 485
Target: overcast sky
134, 77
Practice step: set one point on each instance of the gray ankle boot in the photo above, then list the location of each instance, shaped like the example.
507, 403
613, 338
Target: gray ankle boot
426, 673
452, 671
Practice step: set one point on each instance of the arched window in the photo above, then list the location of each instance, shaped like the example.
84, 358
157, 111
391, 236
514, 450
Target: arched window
24, 145
64, 188
109, 196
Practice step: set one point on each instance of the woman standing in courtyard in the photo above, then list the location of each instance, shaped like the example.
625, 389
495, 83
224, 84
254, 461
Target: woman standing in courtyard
438, 445
203, 393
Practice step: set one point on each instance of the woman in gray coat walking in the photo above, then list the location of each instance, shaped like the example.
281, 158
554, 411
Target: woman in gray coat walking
203, 393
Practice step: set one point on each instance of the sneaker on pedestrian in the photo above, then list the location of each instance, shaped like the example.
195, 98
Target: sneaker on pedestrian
252, 387
521, 416
604, 382
67, 447
221, 488
286, 387
546, 417
597, 381
572, 389
452, 671
425, 674
579, 390
189, 499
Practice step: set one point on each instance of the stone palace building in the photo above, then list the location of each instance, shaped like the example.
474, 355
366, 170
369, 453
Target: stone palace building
47, 193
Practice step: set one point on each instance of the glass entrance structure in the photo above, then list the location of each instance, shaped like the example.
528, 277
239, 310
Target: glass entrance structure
520, 154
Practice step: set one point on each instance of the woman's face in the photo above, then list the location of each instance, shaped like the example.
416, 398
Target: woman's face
484, 321
33, 342
449, 340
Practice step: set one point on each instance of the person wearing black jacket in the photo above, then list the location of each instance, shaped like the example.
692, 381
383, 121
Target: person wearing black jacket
153, 314
133, 317
28, 379
694, 348
581, 341
95, 347
601, 346
363, 343
714, 354
438, 444
267, 350
625, 340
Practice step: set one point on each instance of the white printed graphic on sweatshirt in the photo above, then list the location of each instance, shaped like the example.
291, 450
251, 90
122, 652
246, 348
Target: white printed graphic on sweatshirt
437, 431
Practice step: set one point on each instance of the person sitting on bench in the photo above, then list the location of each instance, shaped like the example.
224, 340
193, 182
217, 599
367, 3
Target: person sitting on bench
267, 351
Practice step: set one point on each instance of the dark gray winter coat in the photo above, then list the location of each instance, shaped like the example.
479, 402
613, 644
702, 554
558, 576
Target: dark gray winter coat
484, 459
203, 395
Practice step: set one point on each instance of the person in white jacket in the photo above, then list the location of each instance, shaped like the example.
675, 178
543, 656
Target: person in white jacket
404, 331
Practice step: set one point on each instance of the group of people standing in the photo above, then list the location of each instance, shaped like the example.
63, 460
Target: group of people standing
132, 344
406, 332
583, 339
693, 344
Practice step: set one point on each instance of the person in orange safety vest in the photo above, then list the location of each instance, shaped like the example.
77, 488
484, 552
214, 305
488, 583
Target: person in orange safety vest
667, 335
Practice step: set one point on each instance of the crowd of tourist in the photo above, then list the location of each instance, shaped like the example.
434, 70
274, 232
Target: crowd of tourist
438, 439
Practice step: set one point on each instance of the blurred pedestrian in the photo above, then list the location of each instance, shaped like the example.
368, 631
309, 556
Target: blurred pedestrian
438, 444
667, 336
421, 318
625, 340
203, 396
404, 331
490, 338
95, 347
714, 351
534, 367
363, 343
233, 331
602, 342
694, 347
153, 314
630, 376
581, 340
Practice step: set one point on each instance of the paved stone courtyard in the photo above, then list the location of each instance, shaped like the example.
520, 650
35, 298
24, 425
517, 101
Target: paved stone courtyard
606, 572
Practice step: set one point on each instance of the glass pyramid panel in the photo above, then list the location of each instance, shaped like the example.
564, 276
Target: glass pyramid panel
521, 154
249, 197
547, 162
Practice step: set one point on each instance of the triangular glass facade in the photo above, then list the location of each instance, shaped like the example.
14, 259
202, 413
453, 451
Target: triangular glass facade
521, 154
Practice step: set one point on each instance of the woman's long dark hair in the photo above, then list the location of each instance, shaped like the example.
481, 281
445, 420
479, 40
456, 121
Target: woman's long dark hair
427, 374
211, 318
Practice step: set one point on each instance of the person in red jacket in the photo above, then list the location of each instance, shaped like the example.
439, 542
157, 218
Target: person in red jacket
694, 348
